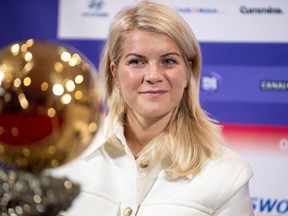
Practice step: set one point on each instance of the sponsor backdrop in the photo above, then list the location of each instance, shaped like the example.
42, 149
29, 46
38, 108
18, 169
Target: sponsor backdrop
245, 74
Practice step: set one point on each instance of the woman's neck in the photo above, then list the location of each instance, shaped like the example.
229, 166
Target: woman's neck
140, 131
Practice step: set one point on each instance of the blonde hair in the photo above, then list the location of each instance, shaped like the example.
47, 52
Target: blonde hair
191, 136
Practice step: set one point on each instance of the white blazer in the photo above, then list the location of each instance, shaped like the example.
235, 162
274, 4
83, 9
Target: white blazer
110, 177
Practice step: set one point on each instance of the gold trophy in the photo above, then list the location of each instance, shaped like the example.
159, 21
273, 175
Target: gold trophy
50, 110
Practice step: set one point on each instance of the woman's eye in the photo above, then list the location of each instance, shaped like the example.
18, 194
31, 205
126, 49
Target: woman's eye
135, 62
169, 61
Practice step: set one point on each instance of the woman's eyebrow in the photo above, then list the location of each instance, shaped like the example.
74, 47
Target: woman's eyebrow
171, 53
144, 57
135, 54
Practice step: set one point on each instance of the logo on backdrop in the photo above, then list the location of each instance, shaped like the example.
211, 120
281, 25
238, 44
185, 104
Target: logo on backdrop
95, 4
274, 85
261, 10
198, 10
210, 82
270, 206
95, 8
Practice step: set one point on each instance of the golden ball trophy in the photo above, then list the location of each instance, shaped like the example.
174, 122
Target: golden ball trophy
50, 110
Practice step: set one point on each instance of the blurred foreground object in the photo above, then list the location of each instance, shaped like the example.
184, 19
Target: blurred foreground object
27, 194
49, 105
50, 108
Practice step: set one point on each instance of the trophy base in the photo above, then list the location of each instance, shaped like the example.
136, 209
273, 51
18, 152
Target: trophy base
29, 194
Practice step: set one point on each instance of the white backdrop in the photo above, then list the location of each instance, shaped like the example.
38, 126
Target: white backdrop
222, 20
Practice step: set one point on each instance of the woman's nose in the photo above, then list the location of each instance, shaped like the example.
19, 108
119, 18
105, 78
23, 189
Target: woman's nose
153, 74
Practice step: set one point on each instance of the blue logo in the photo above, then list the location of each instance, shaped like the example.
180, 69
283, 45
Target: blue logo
95, 4
95, 9
262, 205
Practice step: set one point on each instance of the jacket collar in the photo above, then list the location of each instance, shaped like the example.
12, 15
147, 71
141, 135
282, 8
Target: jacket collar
102, 137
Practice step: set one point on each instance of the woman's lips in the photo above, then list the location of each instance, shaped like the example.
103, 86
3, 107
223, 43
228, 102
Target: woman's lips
153, 92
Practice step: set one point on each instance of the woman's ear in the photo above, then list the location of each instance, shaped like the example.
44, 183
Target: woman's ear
114, 74
189, 73
190, 65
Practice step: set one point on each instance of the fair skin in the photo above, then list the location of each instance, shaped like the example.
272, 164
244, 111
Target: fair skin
151, 76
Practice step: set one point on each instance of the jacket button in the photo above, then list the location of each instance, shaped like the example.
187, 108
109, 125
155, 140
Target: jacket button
144, 164
127, 211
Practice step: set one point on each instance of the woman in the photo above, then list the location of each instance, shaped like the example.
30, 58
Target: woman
158, 152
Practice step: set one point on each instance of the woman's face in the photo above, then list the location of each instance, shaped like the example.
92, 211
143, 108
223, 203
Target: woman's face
151, 74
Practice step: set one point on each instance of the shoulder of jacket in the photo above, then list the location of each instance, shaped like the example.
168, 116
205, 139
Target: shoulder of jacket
227, 174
